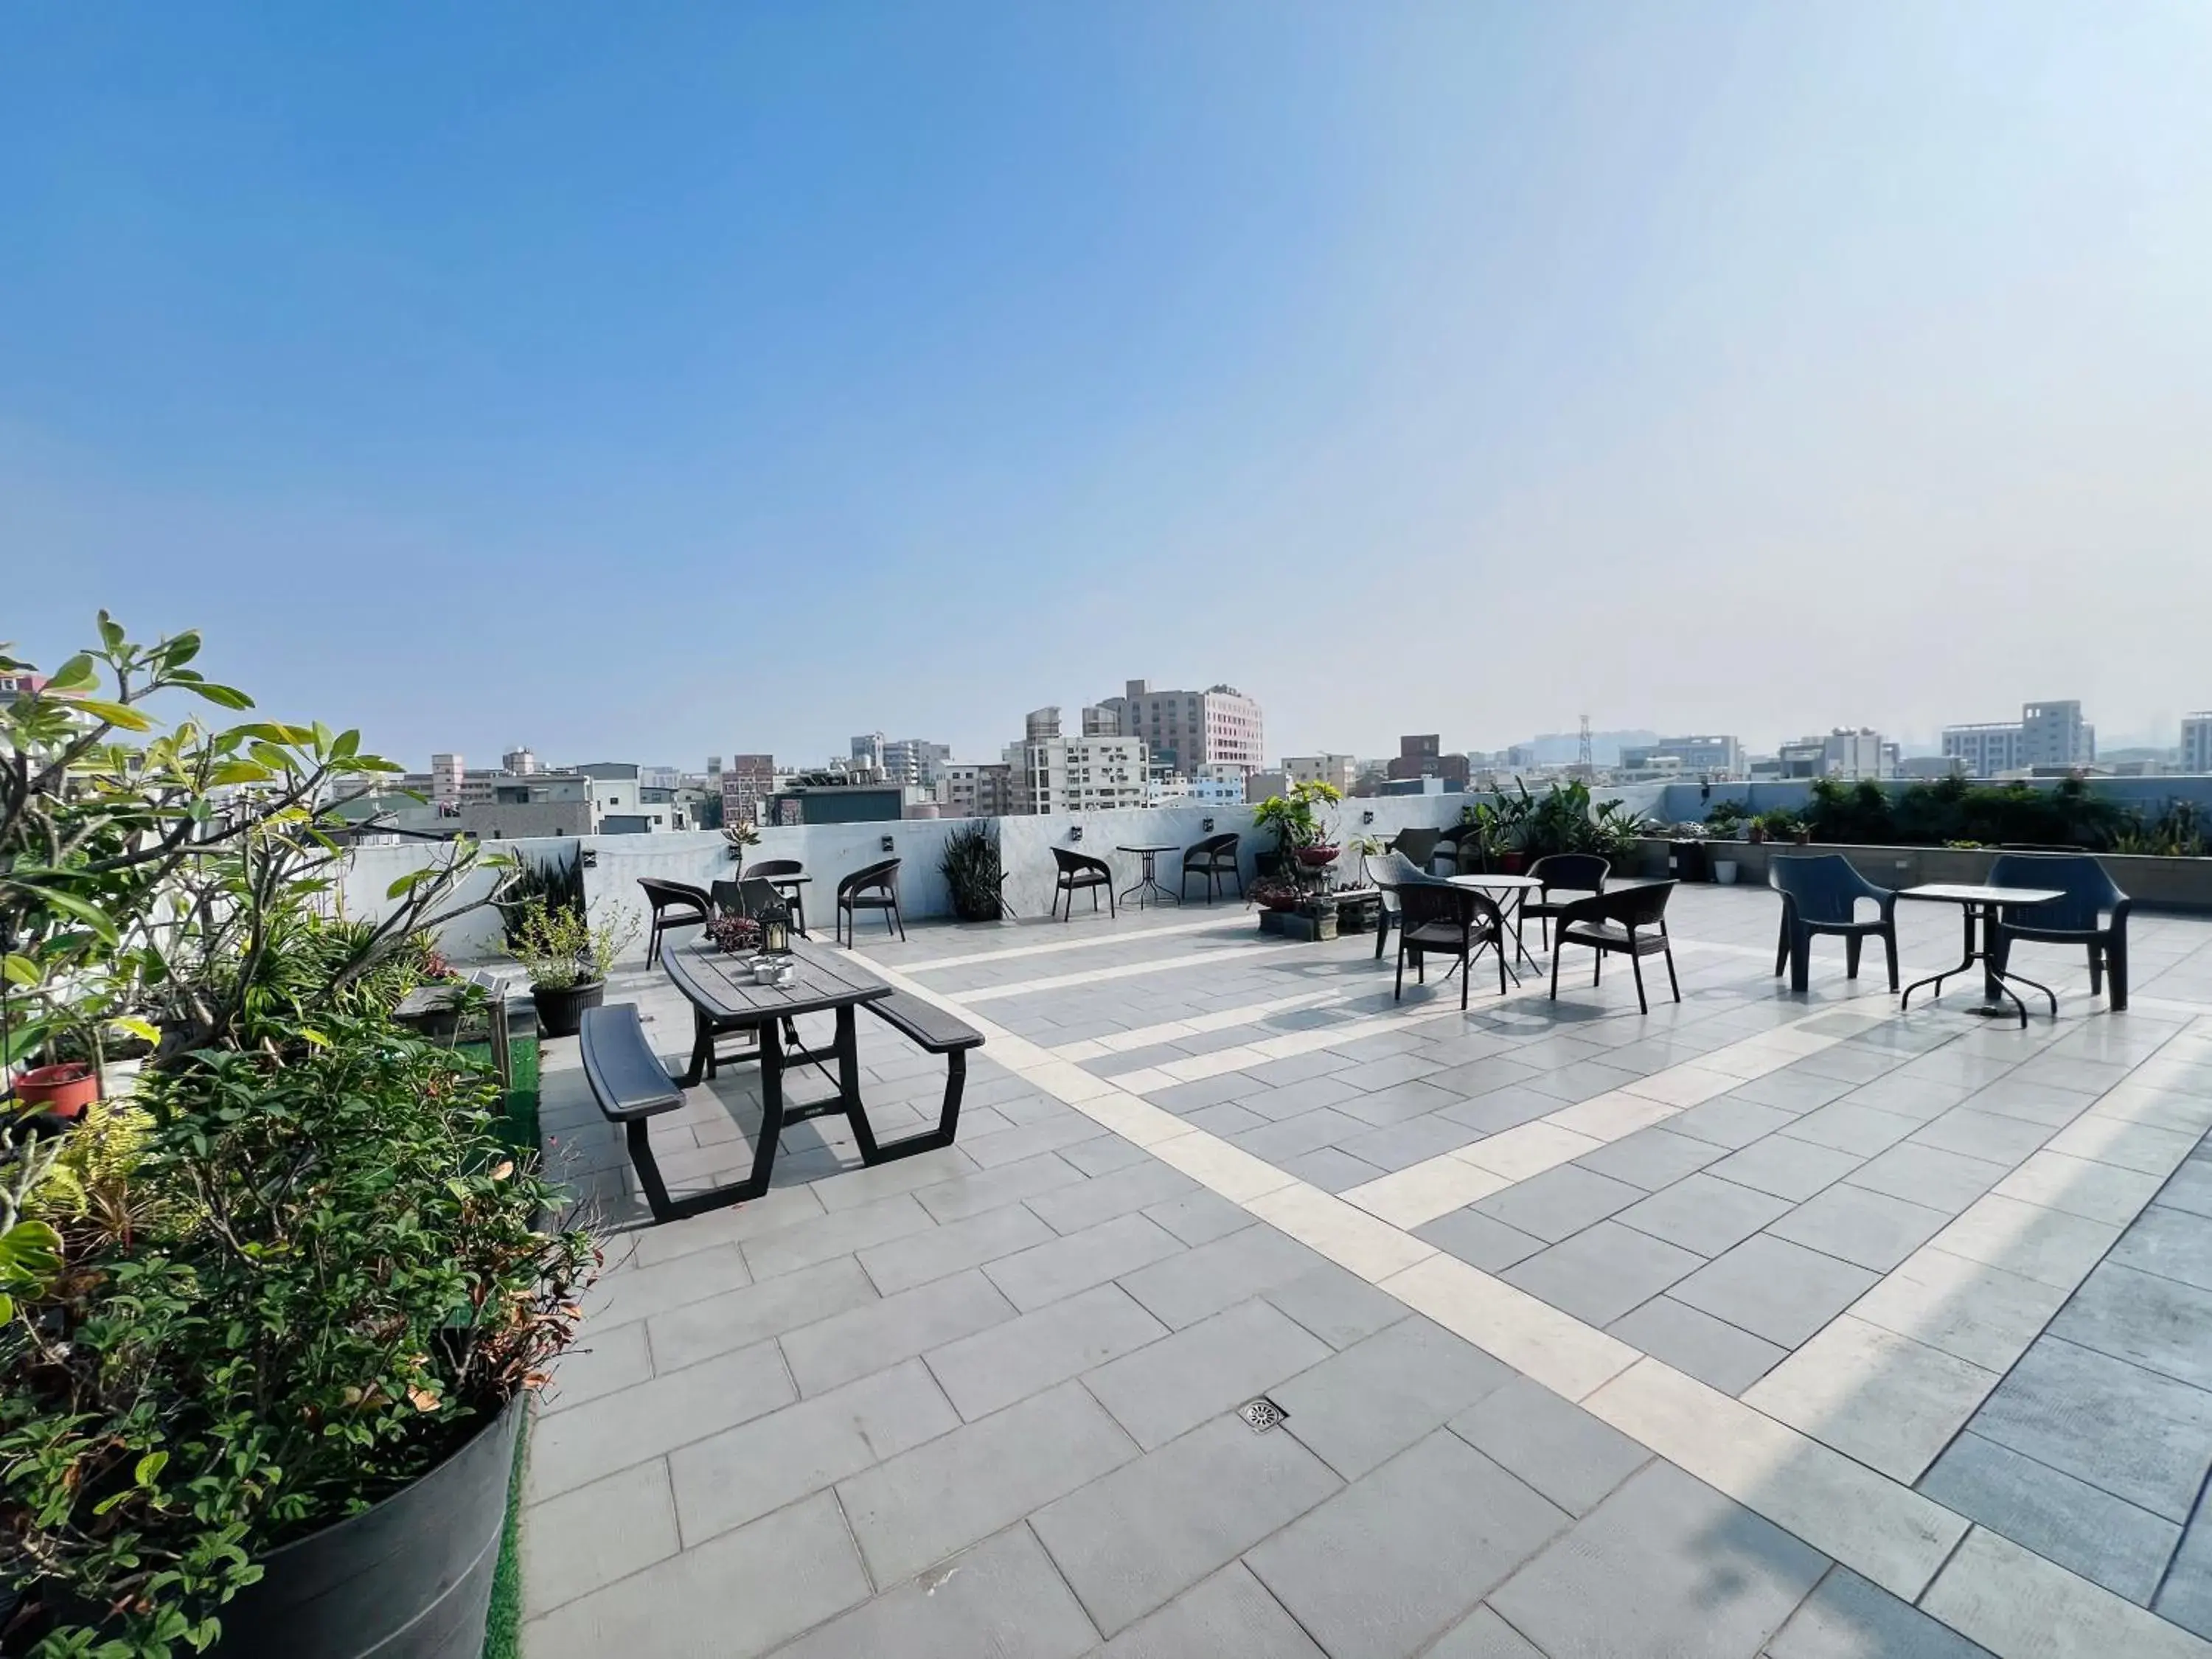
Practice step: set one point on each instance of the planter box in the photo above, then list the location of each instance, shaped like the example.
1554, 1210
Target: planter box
1309, 926
1271, 922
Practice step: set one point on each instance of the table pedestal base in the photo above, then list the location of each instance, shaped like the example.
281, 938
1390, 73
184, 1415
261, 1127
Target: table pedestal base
1994, 986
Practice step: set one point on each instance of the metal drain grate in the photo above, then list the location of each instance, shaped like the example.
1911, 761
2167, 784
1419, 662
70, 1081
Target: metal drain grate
1263, 1413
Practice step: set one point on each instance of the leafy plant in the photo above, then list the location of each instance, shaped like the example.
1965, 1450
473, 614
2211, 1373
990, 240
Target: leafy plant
732, 932
741, 835
1779, 825
1727, 818
1275, 893
556, 883
561, 949
1296, 817
971, 869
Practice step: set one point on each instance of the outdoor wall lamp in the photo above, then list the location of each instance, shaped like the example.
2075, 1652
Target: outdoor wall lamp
1367, 818
1075, 832
1206, 827
590, 858
887, 843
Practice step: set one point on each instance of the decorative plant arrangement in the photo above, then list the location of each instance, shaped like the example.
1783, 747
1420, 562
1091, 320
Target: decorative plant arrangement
734, 933
568, 957
1274, 893
293, 1272
1302, 832
742, 836
971, 868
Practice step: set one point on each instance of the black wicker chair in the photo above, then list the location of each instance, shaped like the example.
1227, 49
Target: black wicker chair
675, 904
1075, 872
776, 871
1620, 921
1212, 859
1418, 845
1567, 872
1437, 918
875, 888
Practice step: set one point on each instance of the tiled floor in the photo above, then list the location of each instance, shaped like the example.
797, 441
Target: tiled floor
1758, 1325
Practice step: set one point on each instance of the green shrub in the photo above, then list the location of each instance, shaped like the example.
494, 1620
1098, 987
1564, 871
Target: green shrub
970, 867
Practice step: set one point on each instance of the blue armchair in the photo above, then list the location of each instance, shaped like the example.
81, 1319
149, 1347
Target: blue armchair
2094, 913
1820, 894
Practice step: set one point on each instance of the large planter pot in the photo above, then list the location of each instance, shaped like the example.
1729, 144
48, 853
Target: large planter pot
1316, 858
559, 1012
63, 1090
1513, 863
409, 1579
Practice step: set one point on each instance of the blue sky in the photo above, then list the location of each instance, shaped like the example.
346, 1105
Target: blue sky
649, 382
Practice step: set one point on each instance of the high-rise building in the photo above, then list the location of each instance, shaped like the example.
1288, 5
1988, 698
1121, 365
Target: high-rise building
2050, 735
1843, 753
1184, 731
445, 772
1054, 773
521, 762
1983, 749
868, 751
1423, 756
747, 780
914, 760
974, 789
2196, 742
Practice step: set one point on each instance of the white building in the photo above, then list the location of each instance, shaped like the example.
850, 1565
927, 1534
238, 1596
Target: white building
1985, 749
2054, 734
1188, 730
1843, 753
1216, 785
2196, 742
970, 789
914, 760
1714, 756
1054, 773
1341, 771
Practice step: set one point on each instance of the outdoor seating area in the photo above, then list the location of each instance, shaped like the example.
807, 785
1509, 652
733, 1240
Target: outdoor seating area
1256, 1298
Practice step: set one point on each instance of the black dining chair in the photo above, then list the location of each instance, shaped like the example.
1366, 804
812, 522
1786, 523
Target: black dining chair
1567, 872
794, 893
1820, 893
1075, 872
1622, 921
1437, 918
1388, 871
675, 904
1212, 859
875, 888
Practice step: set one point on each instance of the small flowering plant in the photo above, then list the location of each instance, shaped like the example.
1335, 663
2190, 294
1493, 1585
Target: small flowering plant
734, 932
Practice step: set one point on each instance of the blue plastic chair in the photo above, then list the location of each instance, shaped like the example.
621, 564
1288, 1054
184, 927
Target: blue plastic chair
1820, 894
2080, 918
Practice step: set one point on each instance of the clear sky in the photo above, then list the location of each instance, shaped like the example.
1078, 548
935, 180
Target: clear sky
648, 381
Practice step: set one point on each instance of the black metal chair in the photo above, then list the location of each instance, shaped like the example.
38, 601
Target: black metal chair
1077, 871
1388, 871
675, 904
1580, 874
2093, 913
794, 893
1214, 858
1437, 918
1819, 894
875, 888
1619, 920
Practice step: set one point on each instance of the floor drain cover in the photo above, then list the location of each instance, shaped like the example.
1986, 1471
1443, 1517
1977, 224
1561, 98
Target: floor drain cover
1262, 1414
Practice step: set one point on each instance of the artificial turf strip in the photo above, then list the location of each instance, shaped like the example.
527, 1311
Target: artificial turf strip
503, 1625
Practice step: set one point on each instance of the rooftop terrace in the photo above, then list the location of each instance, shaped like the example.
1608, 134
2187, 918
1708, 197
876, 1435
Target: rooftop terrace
1761, 1325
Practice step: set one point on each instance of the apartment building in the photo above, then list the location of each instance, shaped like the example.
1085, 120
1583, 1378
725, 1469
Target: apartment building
746, 782
2049, 735
1341, 771
974, 789
1422, 757
2196, 742
1714, 756
1185, 731
1055, 774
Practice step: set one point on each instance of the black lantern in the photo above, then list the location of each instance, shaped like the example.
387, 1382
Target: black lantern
774, 918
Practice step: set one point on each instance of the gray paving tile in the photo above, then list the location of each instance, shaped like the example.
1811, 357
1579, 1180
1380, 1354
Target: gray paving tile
1559, 1202
1711, 1350
738, 1595
733, 1224
603, 1363
1552, 1444
1400, 1556
1868, 1228
1277, 1074
1341, 1307
995, 1367
2188, 1189
1928, 1175
1173, 1385
1849, 1062
1651, 1158
581, 1445
595, 1534
627, 1293
1791, 1090
1330, 1169
1008, 1183
926, 1503
1501, 1108
1601, 1273
2082, 1529
2171, 1244
1481, 1634
1372, 1076
2016, 1095
1920, 1096
1130, 1542
1581, 1081
1704, 1214
2137, 1435
1664, 1565
1477, 1239
1730, 1123
1229, 1616
1774, 1289
1293, 1100
1471, 1079
1208, 1277
825, 1237
2186, 1597
1277, 1141
2158, 1323
1983, 1134
1047, 1272
1181, 1098
1105, 1155
1398, 1145
749, 1471
1851, 1128
921, 1257
1003, 1596
836, 1350
1363, 1407
1848, 1618
1794, 1169
1200, 1217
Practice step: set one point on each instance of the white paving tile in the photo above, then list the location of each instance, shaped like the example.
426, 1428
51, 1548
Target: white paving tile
1968, 1309
1887, 1401
1528, 1149
2080, 1186
1422, 1192
2020, 1606
2028, 1239
1349, 1237
1613, 1115
1688, 1084
1566, 1355
1213, 1162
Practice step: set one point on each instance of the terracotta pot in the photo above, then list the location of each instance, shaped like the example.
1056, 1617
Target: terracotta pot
1314, 857
61, 1090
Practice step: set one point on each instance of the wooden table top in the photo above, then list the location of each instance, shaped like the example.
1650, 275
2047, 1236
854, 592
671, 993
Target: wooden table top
722, 984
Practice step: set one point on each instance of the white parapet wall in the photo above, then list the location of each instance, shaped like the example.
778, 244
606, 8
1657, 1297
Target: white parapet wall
613, 864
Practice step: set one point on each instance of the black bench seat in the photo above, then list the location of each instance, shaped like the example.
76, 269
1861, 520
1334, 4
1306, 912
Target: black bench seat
627, 1078
925, 1025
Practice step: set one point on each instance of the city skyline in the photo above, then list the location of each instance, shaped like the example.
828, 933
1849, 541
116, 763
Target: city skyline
1831, 367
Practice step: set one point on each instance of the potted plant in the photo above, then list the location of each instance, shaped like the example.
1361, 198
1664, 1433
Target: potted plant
1302, 835
269, 1319
63, 1090
971, 869
742, 836
1272, 893
568, 957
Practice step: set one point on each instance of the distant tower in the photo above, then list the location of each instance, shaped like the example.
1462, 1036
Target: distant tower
1584, 761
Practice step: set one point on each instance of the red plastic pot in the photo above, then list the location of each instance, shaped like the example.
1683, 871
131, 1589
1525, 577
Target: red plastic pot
63, 1090
1314, 857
